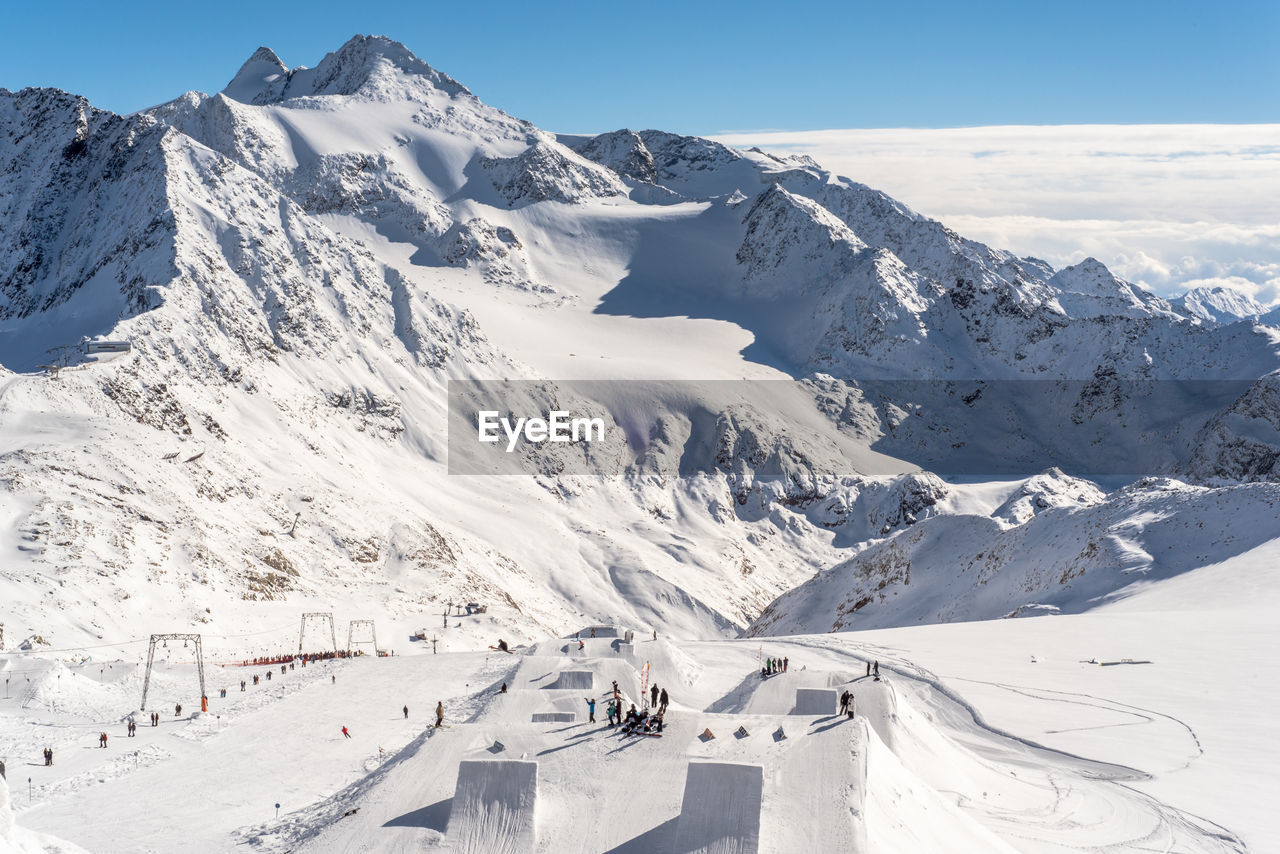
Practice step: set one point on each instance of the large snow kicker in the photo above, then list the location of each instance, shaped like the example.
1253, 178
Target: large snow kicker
815, 701
720, 813
493, 807
553, 717
576, 680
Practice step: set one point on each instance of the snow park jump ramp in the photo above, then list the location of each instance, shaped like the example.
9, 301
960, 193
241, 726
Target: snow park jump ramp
816, 701
574, 680
493, 807
720, 813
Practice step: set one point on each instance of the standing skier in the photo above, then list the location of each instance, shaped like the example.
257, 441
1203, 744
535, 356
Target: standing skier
439, 713
591, 710
406, 713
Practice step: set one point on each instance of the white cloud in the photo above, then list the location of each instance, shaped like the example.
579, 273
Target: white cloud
1164, 205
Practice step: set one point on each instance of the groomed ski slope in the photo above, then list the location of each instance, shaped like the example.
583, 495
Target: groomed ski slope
996, 736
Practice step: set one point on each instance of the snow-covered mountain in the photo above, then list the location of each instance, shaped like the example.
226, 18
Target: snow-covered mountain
303, 261
1219, 304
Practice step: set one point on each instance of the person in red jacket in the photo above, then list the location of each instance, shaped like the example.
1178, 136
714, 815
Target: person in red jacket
345, 733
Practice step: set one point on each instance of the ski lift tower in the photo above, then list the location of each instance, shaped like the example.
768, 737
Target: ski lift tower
318, 616
351, 630
151, 656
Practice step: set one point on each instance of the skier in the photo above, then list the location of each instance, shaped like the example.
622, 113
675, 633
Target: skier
345, 733
591, 709
653, 695
439, 713
655, 634
875, 670
132, 727
663, 699
406, 713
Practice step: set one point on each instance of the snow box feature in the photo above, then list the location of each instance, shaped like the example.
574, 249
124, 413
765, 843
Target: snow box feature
554, 717
493, 806
720, 813
577, 680
815, 701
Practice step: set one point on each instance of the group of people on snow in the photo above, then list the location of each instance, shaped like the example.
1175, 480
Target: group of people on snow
775, 665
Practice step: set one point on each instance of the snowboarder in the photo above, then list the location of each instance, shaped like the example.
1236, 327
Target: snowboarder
102, 740
663, 699
503, 689
502, 645
581, 645
439, 713
591, 710
345, 733
406, 713
653, 695
612, 711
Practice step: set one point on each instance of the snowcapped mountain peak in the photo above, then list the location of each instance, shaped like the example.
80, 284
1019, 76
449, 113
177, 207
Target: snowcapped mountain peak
1089, 289
374, 67
1219, 304
261, 73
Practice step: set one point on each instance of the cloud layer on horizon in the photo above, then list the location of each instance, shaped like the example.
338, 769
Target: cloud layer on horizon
1168, 206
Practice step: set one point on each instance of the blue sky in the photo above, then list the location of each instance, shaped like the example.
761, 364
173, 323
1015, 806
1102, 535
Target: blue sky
705, 67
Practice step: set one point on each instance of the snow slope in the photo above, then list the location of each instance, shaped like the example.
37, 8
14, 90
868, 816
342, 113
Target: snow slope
1095, 730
